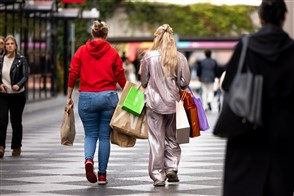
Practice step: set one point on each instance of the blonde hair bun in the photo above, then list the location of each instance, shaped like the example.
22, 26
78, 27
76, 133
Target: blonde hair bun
99, 28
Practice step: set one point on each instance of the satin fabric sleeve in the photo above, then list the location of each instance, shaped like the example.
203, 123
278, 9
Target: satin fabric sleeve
183, 72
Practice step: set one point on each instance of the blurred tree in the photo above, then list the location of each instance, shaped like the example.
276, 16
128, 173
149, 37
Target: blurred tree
82, 26
193, 20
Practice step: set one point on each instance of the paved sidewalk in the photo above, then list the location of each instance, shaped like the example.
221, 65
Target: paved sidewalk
46, 168
60, 100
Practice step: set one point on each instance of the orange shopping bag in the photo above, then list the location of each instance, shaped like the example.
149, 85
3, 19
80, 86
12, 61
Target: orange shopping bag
192, 113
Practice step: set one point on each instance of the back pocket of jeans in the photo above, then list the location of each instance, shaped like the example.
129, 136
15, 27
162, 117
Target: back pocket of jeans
112, 98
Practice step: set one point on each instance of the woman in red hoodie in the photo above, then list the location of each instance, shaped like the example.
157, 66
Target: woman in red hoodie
99, 68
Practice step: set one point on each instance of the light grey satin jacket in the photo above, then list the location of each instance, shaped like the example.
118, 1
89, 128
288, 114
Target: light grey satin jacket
161, 93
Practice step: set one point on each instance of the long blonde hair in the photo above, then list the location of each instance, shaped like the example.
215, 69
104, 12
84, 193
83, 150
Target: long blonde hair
164, 41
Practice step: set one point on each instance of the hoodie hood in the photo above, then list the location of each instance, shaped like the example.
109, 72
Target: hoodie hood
270, 42
97, 48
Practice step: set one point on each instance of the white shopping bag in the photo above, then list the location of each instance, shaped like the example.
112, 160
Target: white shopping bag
183, 126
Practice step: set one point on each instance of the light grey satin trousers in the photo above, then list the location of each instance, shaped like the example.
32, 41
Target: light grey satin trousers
165, 152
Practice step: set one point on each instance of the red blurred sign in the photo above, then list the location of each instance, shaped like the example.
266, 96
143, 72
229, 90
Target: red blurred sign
72, 1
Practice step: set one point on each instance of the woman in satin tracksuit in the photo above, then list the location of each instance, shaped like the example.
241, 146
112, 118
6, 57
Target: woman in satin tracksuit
163, 69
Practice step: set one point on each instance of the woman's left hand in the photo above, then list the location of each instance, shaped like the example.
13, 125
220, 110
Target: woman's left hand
15, 87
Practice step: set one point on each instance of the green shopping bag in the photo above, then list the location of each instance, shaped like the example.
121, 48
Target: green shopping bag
134, 101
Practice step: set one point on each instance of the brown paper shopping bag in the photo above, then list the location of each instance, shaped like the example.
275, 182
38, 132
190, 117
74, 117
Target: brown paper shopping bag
121, 139
68, 130
127, 123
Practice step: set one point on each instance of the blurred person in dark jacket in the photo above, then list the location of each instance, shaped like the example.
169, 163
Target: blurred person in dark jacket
261, 163
206, 71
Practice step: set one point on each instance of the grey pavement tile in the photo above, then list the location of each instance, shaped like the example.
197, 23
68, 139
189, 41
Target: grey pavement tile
43, 187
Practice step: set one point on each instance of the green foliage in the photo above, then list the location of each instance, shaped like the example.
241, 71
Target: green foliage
82, 26
190, 20
193, 20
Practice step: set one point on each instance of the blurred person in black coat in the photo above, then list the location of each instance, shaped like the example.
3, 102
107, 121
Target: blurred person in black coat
262, 163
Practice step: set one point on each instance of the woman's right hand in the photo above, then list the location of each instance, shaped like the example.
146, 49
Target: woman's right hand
3, 88
70, 101
69, 96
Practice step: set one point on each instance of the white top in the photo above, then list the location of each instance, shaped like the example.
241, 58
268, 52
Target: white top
7, 63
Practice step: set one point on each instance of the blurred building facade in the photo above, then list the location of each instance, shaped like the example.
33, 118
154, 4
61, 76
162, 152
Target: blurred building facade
34, 24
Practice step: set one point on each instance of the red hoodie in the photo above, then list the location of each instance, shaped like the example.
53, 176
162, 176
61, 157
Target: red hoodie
98, 66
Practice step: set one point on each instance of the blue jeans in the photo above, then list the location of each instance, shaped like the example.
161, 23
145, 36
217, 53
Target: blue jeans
96, 110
